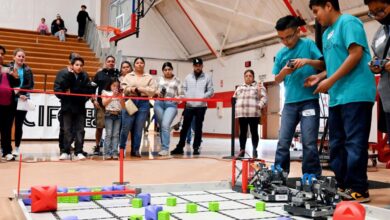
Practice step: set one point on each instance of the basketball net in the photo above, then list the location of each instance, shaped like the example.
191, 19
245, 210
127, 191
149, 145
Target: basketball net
105, 33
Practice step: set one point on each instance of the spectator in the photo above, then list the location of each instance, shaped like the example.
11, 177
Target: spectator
73, 107
136, 84
58, 28
196, 85
169, 86
126, 68
251, 98
8, 80
60, 77
42, 27
112, 104
26, 82
102, 79
82, 19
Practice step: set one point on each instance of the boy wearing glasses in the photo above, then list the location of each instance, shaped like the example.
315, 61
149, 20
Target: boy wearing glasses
351, 88
299, 59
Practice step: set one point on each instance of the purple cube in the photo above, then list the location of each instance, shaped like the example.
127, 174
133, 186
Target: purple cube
145, 198
84, 198
62, 189
72, 217
118, 188
151, 212
105, 189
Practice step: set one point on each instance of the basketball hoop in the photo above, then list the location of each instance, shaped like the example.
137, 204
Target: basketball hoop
105, 33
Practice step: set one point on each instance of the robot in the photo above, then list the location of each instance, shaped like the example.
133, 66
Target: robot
270, 184
316, 198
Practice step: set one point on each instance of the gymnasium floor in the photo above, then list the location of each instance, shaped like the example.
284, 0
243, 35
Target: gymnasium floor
148, 170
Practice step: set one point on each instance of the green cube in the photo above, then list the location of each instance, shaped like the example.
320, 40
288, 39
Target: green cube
260, 206
136, 203
96, 197
62, 199
171, 201
192, 208
73, 199
213, 206
163, 215
136, 217
251, 187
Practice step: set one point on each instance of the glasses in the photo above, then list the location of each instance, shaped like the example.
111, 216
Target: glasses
378, 13
289, 37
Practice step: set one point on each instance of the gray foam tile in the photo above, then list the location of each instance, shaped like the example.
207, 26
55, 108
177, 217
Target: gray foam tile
190, 193
181, 208
203, 198
163, 200
237, 196
249, 214
226, 205
85, 214
109, 203
127, 211
202, 215
42, 216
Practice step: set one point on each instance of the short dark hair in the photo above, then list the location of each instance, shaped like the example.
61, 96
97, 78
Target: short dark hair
250, 71
73, 55
289, 21
322, 3
366, 2
77, 59
167, 64
3, 48
83, 6
139, 58
110, 56
126, 62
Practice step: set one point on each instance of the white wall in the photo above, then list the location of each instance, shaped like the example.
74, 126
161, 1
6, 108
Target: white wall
27, 14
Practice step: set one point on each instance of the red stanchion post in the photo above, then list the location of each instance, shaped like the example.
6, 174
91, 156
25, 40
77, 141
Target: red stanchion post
19, 172
245, 175
121, 156
233, 172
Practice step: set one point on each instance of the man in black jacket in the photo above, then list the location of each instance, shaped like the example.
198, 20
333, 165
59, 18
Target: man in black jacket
73, 107
82, 20
102, 78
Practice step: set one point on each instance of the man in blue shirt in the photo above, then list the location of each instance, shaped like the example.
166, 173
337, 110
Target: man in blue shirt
299, 59
351, 87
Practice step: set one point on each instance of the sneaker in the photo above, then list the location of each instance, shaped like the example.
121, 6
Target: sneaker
9, 157
177, 151
115, 157
64, 156
80, 156
196, 151
96, 150
360, 197
242, 153
163, 153
16, 152
254, 153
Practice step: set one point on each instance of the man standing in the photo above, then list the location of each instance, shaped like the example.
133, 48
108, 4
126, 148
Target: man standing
351, 87
82, 20
102, 78
299, 59
196, 85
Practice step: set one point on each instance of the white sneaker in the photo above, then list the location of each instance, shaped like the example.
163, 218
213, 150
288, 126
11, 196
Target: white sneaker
64, 156
9, 157
16, 152
80, 156
163, 153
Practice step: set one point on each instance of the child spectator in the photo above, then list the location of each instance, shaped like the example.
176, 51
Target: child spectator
112, 102
42, 27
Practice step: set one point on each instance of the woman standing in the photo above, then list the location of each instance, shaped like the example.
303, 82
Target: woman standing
126, 68
251, 98
168, 87
26, 82
136, 84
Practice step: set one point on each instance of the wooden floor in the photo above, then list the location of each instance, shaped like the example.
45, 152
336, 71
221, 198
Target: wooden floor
96, 172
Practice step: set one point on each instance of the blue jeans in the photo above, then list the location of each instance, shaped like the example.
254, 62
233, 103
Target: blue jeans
308, 114
134, 123
189, 133
112, 126
165, 111
349, 131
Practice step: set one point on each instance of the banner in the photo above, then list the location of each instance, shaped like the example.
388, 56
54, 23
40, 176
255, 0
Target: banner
43, 122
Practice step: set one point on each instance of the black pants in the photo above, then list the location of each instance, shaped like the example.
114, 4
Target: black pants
73, 123
20, 116
61, 135
81, 29
189, 114
6, 118
253, 123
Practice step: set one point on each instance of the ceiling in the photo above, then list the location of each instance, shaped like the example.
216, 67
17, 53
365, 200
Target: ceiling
227, 24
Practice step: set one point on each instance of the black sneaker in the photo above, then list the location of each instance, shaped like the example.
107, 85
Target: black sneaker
96, 150
196, 151
177, 151
242, 153
358, 197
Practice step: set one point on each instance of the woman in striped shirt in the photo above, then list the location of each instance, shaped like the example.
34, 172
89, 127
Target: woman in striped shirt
168, 87
251, 98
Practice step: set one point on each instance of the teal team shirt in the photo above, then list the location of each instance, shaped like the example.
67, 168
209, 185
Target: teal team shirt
359, 84
293, 83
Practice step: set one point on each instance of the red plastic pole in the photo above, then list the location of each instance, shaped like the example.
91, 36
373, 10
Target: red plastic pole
19, 172
293, 12
129, 191
244, 175
233, 172
121, 155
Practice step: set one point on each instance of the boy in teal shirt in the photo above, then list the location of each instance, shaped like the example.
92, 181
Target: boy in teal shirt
299, 59
351, 87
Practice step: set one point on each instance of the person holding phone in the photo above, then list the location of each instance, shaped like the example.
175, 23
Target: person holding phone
8, 80
299, 59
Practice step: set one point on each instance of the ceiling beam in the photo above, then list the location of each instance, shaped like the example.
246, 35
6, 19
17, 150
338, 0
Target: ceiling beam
238, 13
227, 32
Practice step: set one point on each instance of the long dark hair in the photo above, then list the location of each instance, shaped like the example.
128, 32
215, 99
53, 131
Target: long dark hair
112, 81
126, 62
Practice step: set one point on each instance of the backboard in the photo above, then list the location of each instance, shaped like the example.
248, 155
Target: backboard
123, 15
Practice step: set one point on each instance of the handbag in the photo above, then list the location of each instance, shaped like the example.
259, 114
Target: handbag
131, 108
